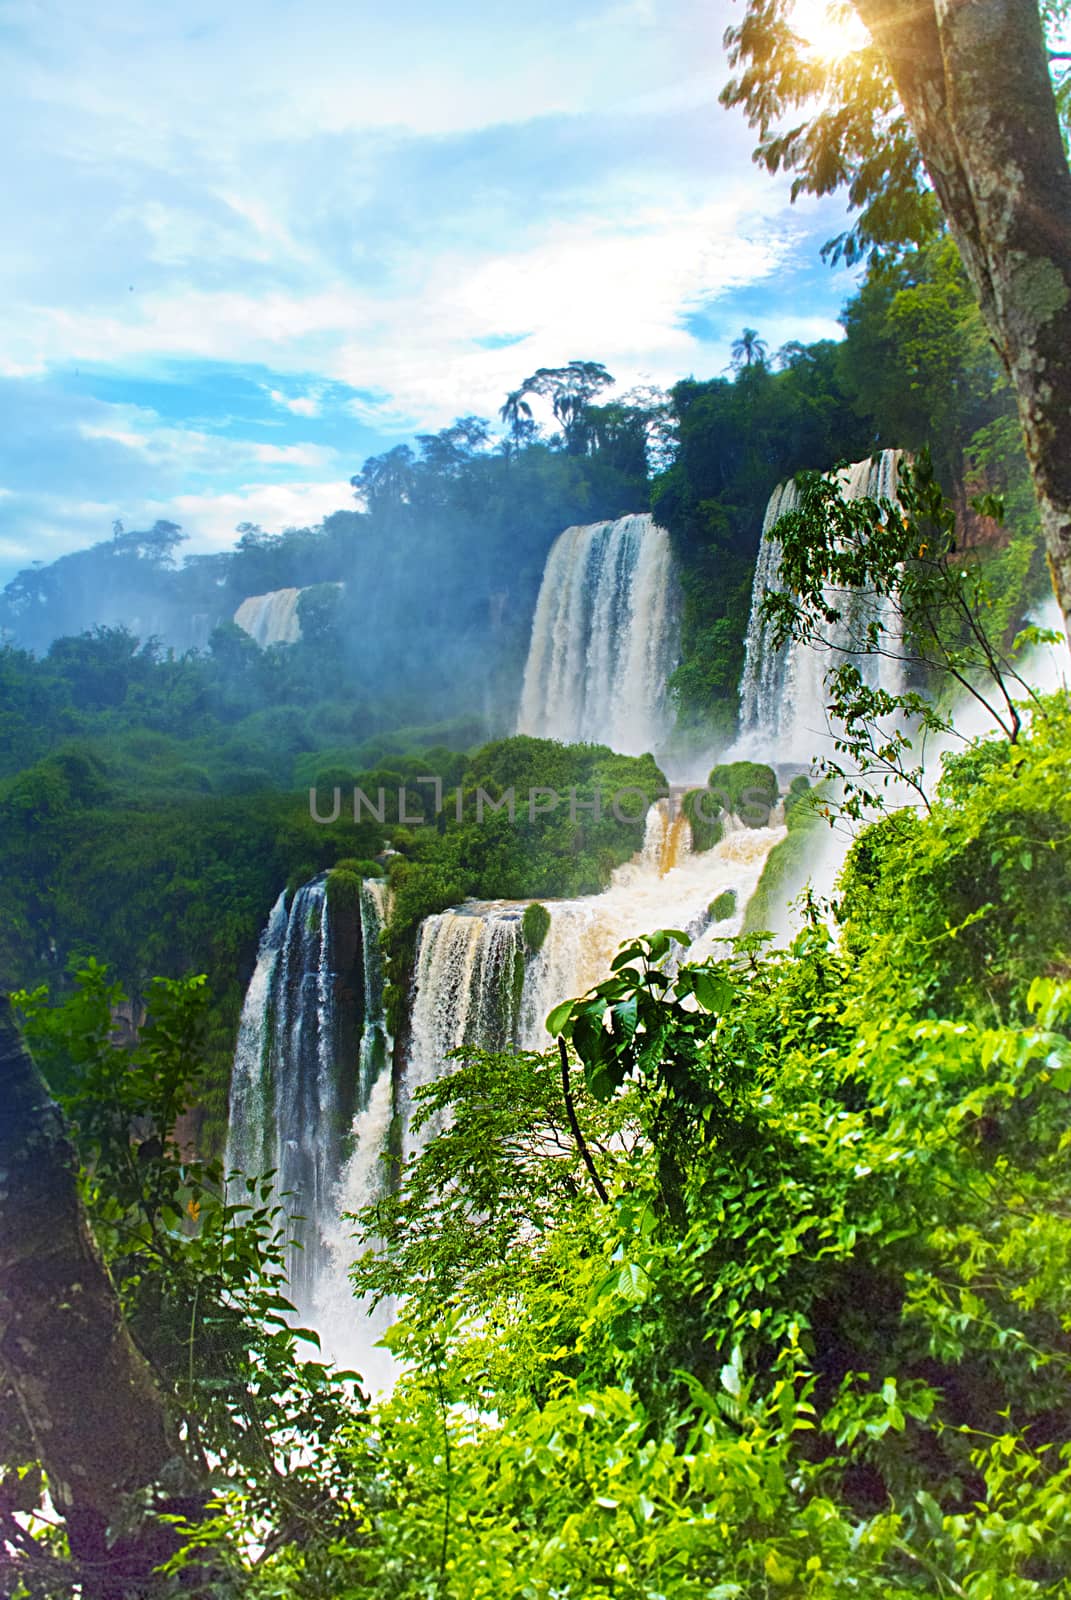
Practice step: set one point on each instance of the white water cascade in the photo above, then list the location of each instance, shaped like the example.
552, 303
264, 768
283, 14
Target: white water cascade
476, 982
303, 1077
604, 638
350, 1330
669, 885
782, 694
467, 990
271, 618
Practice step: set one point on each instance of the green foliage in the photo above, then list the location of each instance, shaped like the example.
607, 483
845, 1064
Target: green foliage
566, 849
835, 1258
789, 864
535, 925
837, 123
343, 887
703, 811
764, 1288
916, 597
722, 906
915, 368
736, 440
981, 884
746, 788
360, 869
808, 1333
319, 611
199, 1269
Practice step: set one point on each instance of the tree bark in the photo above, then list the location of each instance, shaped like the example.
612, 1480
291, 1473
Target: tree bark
973, 79
91, 1404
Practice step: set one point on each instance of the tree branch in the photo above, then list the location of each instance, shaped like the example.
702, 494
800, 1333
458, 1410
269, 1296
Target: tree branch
570, 1111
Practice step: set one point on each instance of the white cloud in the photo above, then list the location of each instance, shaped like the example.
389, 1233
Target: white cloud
49, 525
302, 405
292, 455
339, 194
612, 285
193, 450
210, 519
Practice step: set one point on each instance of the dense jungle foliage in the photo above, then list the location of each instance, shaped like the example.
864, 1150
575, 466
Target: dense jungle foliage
784, 1311
756, 1284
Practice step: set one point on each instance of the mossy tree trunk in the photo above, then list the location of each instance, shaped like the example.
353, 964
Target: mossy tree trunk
973, 79
92, 1407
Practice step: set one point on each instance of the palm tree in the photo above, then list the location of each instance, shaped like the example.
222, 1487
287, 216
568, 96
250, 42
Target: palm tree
516, 413
749, 350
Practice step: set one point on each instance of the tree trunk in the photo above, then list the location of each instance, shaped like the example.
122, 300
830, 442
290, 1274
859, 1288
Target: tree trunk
974, 82
96, 1416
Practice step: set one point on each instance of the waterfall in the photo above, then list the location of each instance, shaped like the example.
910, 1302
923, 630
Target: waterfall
301, 1073
476, 982
315, 1102
467, 990
669, 885
251, 1143
604, 638
373, 1058
782, 694
271, 618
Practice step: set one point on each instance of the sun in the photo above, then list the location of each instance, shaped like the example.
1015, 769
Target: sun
831, 29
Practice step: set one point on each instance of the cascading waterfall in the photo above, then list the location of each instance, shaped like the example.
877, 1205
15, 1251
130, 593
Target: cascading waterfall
349, 1329
300, 1075
476, 982
321, 1115
667, 885
251, 1133
604, 638
374, 1053
782, 695
467, 990
271, 618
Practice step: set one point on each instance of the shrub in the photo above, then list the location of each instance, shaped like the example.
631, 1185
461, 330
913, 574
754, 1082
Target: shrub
707, 830
749, 787
722, 906
360, 869
535, 925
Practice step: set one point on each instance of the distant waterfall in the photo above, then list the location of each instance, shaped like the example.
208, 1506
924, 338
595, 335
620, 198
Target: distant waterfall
782, 692
312, 1048
271, 618
604, 638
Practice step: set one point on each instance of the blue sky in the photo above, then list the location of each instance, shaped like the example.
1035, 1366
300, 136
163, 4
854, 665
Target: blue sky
249, 245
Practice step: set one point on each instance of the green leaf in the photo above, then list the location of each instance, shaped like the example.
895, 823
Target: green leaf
713, 990
558, 1020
